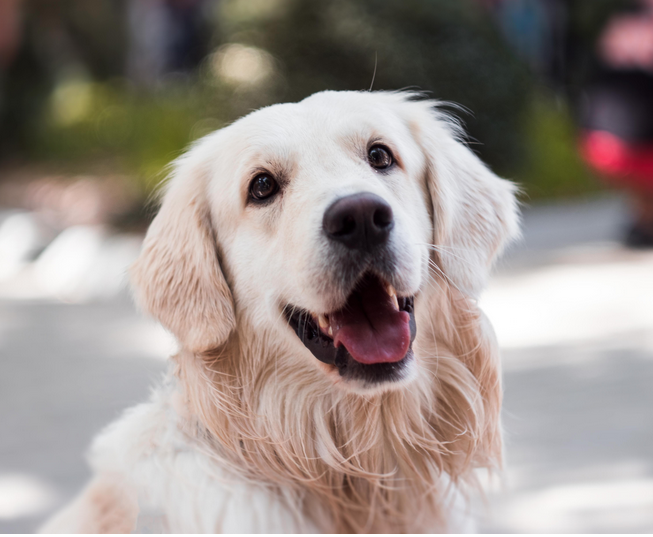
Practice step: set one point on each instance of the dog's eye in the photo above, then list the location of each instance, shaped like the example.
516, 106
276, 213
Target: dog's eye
262, 187
380, 157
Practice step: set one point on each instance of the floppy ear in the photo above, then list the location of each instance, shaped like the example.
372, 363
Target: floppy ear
474, 212
177, 277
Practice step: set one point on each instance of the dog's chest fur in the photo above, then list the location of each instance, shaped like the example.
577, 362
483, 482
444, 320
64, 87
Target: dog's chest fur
182, 487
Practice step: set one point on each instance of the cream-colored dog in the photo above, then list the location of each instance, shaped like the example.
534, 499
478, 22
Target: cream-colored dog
319, 264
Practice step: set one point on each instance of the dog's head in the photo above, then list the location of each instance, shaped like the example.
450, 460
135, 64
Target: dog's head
325, 226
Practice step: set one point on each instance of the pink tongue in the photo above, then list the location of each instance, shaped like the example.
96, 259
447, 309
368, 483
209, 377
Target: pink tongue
370, 327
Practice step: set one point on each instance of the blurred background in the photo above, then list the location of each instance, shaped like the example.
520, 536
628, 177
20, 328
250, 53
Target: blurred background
96, 98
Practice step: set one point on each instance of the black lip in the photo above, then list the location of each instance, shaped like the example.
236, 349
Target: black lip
321, 346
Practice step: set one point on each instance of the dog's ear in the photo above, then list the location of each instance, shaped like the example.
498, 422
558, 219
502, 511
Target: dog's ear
474, 212
177, 277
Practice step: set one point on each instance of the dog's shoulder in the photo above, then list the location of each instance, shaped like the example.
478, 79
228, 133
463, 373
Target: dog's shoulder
147, 431
179, 483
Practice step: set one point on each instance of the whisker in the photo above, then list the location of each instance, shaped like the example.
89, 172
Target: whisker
441, 249
445, 276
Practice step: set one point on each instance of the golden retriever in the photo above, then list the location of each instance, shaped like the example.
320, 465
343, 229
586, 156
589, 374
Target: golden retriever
319, 263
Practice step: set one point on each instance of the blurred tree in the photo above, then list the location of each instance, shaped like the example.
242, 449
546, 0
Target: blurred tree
165, 36
131, 82
55, 40
450, 49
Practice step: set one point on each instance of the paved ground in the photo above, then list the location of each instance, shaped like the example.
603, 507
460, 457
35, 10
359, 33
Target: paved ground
573, 312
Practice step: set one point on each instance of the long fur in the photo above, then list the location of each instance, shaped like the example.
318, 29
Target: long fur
368, 464
247, 401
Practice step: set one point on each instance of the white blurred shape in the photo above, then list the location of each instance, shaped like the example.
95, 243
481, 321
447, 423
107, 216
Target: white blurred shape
240, 64
83, 263
23, 495
20, 236
612, 505
60, 268
107, 275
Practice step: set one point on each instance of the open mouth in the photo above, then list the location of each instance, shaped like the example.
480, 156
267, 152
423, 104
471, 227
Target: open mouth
369, 338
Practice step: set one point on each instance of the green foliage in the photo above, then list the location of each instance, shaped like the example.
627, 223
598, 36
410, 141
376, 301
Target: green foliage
269, 51
450, 49
140, 133
553, 168
285, 50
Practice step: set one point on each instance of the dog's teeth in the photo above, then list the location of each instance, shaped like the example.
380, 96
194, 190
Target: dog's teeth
392, 293
324, 323
330, 331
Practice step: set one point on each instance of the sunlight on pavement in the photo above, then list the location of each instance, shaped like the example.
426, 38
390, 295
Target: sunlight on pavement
577, 331
142, 336
607, 505
569, 303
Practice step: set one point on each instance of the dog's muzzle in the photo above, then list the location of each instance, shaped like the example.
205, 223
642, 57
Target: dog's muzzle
370, 337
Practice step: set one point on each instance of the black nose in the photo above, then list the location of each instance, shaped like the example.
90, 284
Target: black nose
360, 221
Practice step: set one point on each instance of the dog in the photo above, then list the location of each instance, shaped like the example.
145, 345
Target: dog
319, 264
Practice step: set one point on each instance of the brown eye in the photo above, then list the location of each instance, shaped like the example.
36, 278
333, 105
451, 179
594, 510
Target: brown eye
262, 187
379, 157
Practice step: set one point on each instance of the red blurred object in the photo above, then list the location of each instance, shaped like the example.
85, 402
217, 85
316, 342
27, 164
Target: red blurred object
623, 164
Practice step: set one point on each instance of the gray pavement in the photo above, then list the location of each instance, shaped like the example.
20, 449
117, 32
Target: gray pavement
66, 371
573, 312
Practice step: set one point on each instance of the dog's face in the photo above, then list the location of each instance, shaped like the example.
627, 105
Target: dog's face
313, 224
323, 223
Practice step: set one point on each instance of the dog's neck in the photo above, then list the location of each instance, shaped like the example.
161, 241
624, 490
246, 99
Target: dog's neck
355, 463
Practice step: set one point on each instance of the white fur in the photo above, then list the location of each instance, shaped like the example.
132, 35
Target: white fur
251, 433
